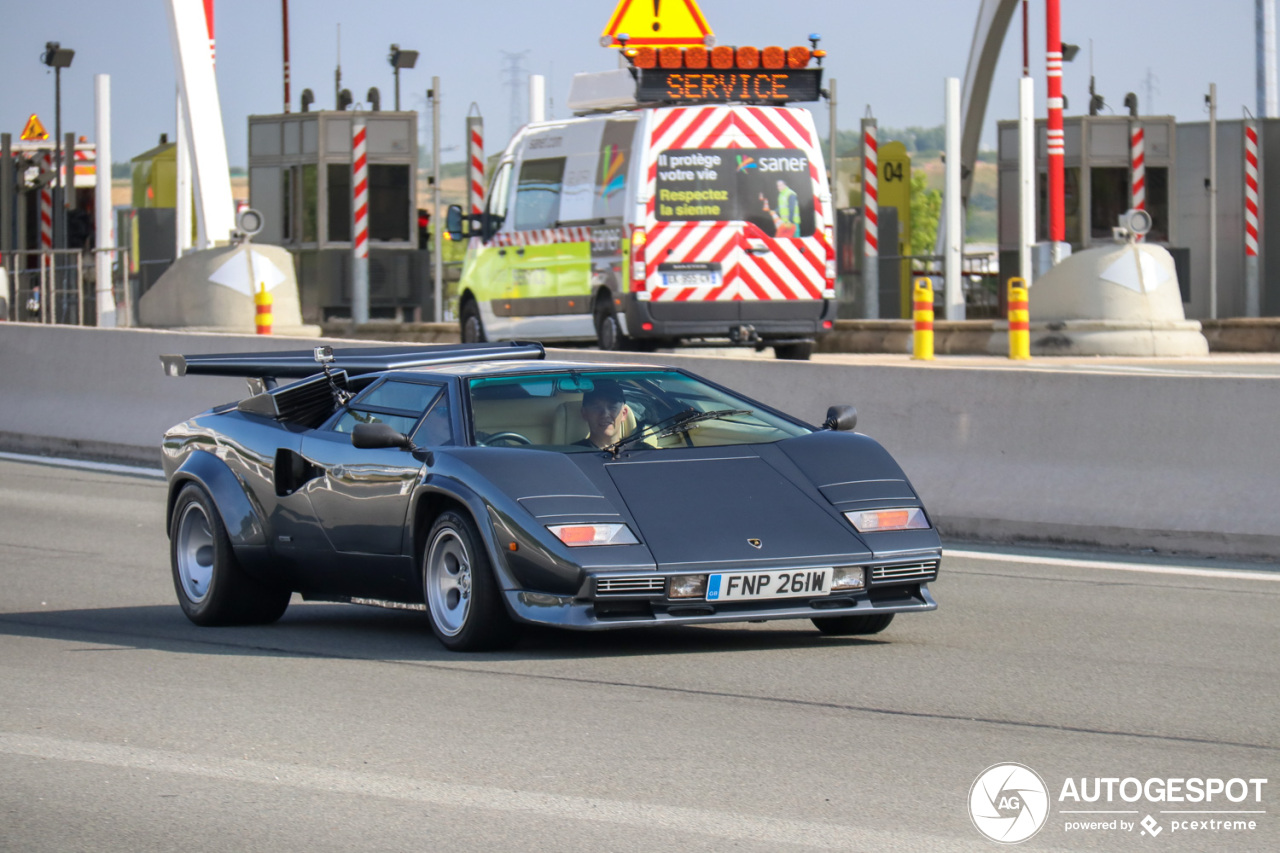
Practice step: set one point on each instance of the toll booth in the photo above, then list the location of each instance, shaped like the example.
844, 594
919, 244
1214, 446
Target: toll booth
1096, 185
300, 180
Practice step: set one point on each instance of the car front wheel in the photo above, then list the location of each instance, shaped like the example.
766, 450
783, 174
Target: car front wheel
472, 328
212, 587
463, 598
844, 626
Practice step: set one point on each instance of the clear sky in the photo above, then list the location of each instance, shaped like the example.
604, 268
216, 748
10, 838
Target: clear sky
890, 56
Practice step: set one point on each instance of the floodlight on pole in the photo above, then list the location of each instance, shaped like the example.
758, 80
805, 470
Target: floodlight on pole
401, 59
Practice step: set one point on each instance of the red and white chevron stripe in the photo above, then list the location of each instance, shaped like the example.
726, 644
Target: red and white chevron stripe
475, 159
788, 267
542, 236
1250, 189
360, 190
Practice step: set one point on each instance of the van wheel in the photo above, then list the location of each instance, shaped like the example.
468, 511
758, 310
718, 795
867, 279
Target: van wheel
472, 327
608, 332
793, 352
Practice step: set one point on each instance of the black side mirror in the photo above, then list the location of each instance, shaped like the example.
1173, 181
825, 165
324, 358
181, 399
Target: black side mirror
453, 223
374, 436
842, 418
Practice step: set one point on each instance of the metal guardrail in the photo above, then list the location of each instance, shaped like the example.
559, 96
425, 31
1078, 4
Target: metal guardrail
984, 299
59, 286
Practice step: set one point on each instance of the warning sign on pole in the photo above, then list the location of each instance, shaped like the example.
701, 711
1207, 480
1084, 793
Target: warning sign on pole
674, 22
34, 131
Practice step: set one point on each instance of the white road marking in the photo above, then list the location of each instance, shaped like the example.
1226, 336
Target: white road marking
1185, 571
104, 467
650, 816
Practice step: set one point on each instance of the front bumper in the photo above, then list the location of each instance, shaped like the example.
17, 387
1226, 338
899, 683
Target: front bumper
601, 615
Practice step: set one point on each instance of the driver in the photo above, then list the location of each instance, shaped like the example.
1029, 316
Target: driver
604, 408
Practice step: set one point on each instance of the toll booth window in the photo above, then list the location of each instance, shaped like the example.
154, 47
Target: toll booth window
538, 193
309, 204
389, 202
772, 188
1158, 204
339, 203
1108, 198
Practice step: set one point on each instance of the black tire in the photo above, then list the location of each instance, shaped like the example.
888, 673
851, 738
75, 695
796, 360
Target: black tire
608, 331
793, 352
464, 602
844, 626
212, 587
471, 327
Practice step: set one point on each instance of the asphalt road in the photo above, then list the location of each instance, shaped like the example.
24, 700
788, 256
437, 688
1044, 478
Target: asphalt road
124, 727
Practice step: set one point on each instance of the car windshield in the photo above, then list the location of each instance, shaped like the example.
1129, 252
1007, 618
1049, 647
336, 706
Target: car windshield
591, 410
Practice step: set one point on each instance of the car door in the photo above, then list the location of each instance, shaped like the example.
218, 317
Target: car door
360, 498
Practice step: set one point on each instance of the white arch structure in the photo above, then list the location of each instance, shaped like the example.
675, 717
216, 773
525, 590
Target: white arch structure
988, 37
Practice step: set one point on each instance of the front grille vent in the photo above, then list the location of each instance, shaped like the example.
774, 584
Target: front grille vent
906, 573
630, 586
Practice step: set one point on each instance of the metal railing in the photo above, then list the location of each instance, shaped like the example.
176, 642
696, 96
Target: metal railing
59, 286
979, 277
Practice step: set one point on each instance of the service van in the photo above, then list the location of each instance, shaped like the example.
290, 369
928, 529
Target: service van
655, 224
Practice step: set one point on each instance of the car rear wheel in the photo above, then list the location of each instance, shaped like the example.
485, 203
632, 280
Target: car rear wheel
212, 587
843, 626
472, 329
463, 598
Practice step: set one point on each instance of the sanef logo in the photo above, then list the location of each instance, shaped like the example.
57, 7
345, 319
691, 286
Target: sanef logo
1008, 803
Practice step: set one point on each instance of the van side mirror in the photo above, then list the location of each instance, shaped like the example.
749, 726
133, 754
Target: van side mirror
453, 223
842, 418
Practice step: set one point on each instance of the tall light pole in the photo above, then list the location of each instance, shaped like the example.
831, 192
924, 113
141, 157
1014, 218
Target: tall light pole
401, 59
58, 57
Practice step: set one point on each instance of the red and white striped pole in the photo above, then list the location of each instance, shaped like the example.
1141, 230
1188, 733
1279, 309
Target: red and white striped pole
36, 303
360, 225
1252, 293
871, 220
1137, 170
475, 161
1056, 138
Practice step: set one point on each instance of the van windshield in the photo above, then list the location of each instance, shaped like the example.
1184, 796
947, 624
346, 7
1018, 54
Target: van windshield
769, 187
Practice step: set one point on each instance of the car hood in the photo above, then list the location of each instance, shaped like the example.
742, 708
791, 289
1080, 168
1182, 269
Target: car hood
731, 508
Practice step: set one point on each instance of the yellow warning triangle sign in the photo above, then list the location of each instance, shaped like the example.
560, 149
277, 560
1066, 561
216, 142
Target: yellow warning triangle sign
656, 23
34, 131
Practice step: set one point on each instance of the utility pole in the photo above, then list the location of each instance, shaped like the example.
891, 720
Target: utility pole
437, 232
1212, 100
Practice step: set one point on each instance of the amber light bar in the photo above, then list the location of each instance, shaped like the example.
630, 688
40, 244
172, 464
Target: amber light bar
722, 57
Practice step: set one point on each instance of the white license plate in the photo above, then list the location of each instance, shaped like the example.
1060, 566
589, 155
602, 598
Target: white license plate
708, 278
785, 583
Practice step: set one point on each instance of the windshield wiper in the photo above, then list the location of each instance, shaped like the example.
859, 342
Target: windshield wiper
679, 422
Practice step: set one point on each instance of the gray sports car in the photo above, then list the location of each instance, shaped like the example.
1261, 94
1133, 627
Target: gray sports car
491, 487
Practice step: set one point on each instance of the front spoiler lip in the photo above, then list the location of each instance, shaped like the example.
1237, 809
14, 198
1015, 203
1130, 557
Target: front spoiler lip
540, 608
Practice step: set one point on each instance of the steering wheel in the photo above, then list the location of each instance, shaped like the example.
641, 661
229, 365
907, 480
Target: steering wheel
507, 438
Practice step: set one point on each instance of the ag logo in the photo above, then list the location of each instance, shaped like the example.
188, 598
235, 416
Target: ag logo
1008, 803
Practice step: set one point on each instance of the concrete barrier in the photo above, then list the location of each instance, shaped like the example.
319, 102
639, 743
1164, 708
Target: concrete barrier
1183, 463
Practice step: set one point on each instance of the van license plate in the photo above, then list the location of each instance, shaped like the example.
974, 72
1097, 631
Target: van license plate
787, 583
700, 278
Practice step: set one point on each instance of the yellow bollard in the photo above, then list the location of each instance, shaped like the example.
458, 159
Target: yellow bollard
922, 338
262, 300
1019, 320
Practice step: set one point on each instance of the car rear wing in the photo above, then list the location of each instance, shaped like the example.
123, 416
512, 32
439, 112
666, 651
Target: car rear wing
298, 364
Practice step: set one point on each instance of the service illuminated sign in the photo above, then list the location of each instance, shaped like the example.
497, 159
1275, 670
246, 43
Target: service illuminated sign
764, 86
